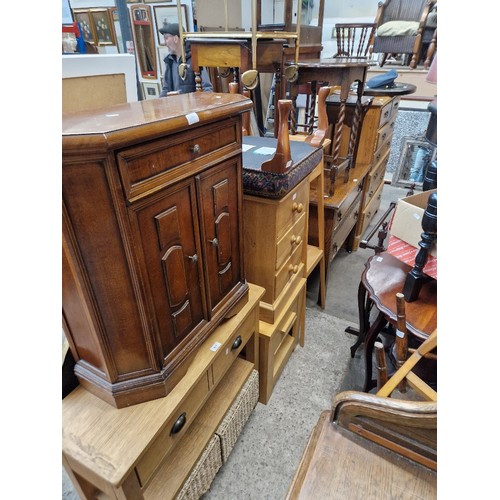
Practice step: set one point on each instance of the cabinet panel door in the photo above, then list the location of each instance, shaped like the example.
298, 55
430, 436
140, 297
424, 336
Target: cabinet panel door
171, 248
218, 194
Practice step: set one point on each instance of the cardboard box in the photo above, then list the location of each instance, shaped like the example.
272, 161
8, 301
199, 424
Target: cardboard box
406, 223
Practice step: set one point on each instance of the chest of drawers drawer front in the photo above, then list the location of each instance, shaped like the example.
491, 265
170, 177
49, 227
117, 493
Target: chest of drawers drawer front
371, 209
381, 151
148, 167
385, 113
291, 270
289, 242
174, 429
376, 177
385, 133
342, 231
291, 208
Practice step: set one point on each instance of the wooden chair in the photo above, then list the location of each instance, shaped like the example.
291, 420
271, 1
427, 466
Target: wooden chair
375, 445
400, 28
354, 39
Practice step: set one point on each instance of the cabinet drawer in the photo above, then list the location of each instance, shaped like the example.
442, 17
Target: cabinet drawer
149, 166
381, 151
292, 267
385, 133
284, 329
344, 208
291, 208
233, 348
395, 106
289, 242
375, 178
343, 230
167, 439
371, 209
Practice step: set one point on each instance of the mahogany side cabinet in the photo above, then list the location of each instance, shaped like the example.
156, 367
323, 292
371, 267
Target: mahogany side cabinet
152, 239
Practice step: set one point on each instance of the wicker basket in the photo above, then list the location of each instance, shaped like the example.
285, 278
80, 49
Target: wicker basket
203, 473
238, 414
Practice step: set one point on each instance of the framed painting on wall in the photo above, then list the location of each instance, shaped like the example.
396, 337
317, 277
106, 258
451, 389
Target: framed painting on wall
82, 17
166, 15
104, 27
150, 90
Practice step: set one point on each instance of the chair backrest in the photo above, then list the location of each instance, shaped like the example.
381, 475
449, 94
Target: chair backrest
401, 10
354, 39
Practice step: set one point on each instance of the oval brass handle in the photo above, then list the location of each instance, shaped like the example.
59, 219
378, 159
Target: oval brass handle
339, 215
178, 424
297, 207
193, 258
370, 194
215, 242
296, 240
356, 215
293, 269
386, 113
236, 343
384, 135
195, 149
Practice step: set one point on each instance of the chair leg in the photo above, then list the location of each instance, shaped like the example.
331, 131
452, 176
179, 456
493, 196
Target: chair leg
371, 336
364, 307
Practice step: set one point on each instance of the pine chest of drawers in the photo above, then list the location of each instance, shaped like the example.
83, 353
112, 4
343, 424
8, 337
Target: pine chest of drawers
152, 238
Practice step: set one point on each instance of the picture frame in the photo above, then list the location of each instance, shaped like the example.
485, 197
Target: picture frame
168, 14
158, 1
103, 26
416, 155
150, 90
82, 17
113, 12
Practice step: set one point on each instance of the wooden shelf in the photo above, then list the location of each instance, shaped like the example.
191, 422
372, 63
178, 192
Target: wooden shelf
314, 256
172, 473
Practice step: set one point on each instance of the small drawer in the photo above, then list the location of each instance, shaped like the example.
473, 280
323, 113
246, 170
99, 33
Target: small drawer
284, 329
343, 230
173, 431
294, 266
233, 348
146, 168
371, 209
345, 207
292, 207
395, 106
375, 178
381, 152
385, 114
290, 241
385, 133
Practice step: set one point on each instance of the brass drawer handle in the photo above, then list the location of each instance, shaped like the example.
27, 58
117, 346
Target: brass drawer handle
293, 269
178, 424
237, 342
297, 207
195, 149
214, 242
296, 240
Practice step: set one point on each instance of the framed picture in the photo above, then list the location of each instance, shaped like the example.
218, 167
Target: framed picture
104, 27
140, 14
416, 155
158, 1
113, 11
150, 90
168, 14
82, 17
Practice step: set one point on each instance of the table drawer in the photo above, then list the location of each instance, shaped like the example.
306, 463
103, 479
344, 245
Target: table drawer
289, 242
292, 267
345, 207
167, 438
149, 166
342, 231
233, 348
291, 208
381, 151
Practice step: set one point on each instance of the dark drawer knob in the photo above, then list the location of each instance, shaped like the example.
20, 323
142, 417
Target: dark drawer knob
195, 149
236, 343
179, 424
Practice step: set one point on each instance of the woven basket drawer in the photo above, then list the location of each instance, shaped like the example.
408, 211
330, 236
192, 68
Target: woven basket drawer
203, 473
238, 414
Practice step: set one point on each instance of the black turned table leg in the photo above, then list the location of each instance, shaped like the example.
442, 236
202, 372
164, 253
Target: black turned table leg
364, 304
371, 336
